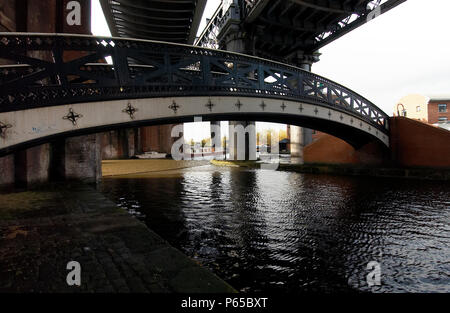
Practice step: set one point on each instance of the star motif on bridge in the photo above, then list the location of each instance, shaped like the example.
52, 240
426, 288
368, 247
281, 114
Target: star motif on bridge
341, 117
360, 124
351, 121
283, 106
130, 110
316, 111
3, 128
72, 116
329, 114
239, 105
301, 107
263, 106
174, 107
209, 105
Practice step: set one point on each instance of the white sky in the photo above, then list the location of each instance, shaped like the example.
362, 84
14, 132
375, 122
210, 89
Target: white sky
404, 51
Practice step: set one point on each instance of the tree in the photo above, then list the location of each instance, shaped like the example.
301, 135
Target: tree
224, 146
283, 134
206, 142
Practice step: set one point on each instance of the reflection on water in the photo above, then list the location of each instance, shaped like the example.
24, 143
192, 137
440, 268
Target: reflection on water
280, 231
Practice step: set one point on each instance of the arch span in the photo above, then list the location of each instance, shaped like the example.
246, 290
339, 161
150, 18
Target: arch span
40, 125
48, 84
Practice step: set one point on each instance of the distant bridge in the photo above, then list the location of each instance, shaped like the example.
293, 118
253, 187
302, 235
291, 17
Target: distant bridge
46, 92
284, 29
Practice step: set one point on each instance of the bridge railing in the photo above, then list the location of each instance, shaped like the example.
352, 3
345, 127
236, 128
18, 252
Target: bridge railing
46, 70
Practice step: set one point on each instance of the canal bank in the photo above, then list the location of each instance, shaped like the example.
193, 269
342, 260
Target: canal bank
425, 173
140, 166
42, 230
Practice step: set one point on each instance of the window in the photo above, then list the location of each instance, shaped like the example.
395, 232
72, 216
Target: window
442, 120
442, 108
418, 108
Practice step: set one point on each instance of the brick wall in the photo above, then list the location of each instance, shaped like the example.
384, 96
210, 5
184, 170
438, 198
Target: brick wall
47, 16
7, 16
157, 138
433, 113
331, 150
415, 143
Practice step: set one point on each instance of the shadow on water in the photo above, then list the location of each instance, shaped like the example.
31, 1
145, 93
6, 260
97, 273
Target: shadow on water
279, 231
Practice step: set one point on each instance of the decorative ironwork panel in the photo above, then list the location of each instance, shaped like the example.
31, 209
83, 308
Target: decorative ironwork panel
142, 69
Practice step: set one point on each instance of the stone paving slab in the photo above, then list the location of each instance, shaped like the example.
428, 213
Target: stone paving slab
42, 230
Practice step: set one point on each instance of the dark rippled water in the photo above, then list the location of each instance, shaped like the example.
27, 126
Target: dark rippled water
288, 232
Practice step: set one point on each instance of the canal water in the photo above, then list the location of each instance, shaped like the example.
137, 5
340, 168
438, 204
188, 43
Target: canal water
275, 231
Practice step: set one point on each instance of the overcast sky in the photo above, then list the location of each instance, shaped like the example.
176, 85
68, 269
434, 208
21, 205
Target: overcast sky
404, 51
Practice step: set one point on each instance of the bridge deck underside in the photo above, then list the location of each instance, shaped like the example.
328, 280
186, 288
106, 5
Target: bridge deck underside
164, 20
287, 30
302, 25
293, 25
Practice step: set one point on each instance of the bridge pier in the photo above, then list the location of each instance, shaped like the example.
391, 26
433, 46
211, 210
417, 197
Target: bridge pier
77, 158
216, 137
156, 138
296, 143
32, 165
82, 158
300, 136
126, 143
120, 144
236, 41
242, 147
7, 169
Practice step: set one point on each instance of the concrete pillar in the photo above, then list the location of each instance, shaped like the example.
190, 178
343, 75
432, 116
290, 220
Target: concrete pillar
77, 158
300, 136
110, 145
82, 159
120, 144
165, 138
238, 41
7, 170
216, 137
32, 165
137, 141
242, 140
130, 144
296, 143
38, 159
57, 171
307, 66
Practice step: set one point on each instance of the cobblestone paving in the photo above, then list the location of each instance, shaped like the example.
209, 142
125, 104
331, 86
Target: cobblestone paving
42, 230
